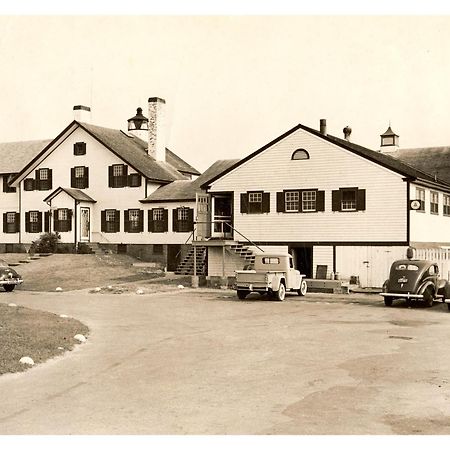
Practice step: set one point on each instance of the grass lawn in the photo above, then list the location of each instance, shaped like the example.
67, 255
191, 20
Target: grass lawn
37, 334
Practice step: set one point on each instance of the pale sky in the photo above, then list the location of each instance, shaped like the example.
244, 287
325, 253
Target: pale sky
231, 83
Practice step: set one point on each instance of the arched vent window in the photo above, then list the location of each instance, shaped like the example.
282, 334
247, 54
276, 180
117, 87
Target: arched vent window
300, 154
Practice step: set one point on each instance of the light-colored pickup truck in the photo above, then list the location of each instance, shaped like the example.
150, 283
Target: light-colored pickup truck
273, 274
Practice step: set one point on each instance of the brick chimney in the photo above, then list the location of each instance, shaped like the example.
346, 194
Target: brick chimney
82, 113
157, 128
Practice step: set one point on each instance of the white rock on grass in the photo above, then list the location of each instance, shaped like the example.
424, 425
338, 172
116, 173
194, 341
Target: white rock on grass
139, 291
109, 287
60, 348
27, 360
97, 289
12, 304
80, 338
180, 286
58, 289
63, 316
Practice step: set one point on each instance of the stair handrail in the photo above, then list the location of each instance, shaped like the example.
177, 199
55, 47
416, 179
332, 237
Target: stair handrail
187, 240
245, 237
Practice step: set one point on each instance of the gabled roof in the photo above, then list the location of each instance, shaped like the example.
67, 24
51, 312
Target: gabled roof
76, 194
15, 155
130, 149
186, 190
384, 160
433, 160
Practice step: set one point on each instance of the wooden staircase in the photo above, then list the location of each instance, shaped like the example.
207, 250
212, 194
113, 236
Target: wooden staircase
186, 267
244, 252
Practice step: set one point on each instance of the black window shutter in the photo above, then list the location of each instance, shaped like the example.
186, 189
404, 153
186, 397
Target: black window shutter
50, 179
72, 177
126, 221
56, 222
37, 181
103, 220
5, 222
117, 220
320, 201
5, 183
86, 177
151, 223
266, 202
125, 176
280, 202
39, 222
110, 176
141, 220
336, 200
27, 222
17, 222
190, 219
175, 220
165, 220
361, 200
69, 219
244, 203
28, 184
138, 180
46, 222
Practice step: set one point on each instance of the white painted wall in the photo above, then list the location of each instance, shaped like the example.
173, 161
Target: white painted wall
426, 227
329, 168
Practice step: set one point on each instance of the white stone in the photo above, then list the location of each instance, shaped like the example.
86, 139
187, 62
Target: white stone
60, 348
12, 304
63, 316
180, 286
109, 287
97, 289
139, 292
80, 338
58, 289
27, 360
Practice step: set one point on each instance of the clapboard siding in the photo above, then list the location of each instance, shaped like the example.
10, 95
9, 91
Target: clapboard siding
329, 168
323, 255
427, 227
215, 262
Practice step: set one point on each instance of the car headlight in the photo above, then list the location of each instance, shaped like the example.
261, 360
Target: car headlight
2, 276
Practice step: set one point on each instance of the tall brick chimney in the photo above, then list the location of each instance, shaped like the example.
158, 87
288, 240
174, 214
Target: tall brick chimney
157, 128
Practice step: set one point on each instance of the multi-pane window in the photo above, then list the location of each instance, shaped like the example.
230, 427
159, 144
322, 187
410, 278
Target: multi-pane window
34, 222
446, 205
309, 200
348, 200
183, 220
62, 214
183, 214
118, 175
10, 222
62, 220
110, 221
420, 195
434, 202
43, 179
80, 177
134, 221
157, 220
292, 201
255, 202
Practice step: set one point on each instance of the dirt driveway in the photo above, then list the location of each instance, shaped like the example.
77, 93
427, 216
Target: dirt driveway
202, 362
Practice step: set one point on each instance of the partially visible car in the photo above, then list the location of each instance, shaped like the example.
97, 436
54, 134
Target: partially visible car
416, 280
9, 278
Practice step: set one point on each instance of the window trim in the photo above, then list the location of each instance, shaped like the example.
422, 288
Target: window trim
432, 207
344, 190
422, 202
79, 148
286, 193
300, 151
446, 208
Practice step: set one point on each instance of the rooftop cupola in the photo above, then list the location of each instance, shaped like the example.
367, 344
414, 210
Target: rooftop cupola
389, 141
138, 125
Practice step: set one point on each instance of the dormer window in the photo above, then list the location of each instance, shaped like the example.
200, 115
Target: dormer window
301, 153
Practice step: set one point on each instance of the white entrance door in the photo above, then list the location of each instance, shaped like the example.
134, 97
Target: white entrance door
85, 225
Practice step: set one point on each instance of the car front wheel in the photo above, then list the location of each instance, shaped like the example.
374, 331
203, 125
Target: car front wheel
303, 288
9, 287
242, 294
388, 301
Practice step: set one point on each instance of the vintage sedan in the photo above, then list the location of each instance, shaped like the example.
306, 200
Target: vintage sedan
415, 279
9, 278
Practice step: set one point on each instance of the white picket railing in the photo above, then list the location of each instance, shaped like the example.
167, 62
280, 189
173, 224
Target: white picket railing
439, 255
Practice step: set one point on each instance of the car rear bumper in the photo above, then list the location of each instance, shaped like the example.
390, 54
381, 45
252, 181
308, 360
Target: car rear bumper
413, 296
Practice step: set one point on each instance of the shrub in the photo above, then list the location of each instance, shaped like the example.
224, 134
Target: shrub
83, 249
47, 243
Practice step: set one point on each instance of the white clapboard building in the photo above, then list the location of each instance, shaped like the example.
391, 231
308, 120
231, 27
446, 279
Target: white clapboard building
90, 184
331, 203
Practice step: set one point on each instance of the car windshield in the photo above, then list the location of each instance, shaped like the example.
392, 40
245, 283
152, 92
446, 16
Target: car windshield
411, 267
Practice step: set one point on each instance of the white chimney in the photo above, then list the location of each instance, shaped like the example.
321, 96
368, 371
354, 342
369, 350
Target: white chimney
157, 128
82, 113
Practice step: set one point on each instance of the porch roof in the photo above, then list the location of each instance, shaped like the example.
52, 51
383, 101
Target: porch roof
76, 194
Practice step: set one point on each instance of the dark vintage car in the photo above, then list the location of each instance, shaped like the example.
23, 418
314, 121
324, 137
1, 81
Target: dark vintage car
416, 279
9, 278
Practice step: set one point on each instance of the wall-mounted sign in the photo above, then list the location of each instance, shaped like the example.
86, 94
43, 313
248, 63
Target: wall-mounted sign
414, 204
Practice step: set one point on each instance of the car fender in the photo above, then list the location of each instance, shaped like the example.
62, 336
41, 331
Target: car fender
276, 281
423, 286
